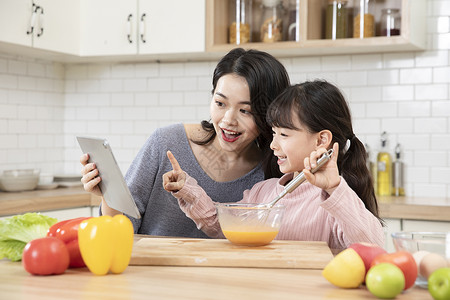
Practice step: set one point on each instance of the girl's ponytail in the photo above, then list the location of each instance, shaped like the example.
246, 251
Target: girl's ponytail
353, 168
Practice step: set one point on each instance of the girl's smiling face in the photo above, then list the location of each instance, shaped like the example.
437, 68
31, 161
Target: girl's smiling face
291, 146
231, 113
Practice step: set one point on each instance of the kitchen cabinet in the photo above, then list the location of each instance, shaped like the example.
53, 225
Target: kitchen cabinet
70, 213
60, 202
65, 214
396, 225
391, 226
42, 24
15, 18
126, 27
420, 225
310, 34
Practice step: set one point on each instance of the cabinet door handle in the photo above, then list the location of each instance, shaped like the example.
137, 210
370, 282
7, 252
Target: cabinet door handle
142, 27
32, 19
41, 22
130, 29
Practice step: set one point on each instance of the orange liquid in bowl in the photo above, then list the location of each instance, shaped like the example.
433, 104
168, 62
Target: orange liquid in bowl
247, 238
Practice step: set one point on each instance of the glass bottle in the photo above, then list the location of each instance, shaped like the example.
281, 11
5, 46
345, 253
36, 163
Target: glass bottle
364, 20
271, 29
390, 22
384, 169
397, 174
293, 21
240, 21
336, 19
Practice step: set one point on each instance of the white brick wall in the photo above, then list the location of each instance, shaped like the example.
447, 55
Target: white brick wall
44, 105
31, 114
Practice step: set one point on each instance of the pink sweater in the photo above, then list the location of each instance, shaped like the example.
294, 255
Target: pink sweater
339, 219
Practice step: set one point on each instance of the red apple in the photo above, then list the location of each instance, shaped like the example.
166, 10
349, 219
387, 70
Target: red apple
367, 252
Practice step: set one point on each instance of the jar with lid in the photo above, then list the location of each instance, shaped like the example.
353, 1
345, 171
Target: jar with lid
364, 20
240, 21
271, 29
336, 20
390, 22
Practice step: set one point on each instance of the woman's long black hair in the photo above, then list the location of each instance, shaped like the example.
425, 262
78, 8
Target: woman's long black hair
321, 106
266, 78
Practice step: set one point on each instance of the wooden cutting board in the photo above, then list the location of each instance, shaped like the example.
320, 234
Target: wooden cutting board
221, 253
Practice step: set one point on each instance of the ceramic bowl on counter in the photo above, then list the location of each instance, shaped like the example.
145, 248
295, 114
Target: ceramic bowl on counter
431, 250
19, 180
244, 224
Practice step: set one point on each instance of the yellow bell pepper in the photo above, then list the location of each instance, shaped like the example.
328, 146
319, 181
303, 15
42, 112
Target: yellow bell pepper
106, 243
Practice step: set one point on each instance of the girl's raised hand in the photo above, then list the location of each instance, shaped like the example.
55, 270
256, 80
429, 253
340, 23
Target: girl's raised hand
174, 180
327, 177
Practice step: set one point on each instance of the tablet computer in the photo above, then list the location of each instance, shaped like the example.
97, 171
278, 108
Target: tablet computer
113, 186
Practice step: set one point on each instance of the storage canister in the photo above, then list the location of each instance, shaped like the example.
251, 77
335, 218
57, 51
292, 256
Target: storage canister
364, 20
293, 21
390, 22
240, 21
271, 28
336, 19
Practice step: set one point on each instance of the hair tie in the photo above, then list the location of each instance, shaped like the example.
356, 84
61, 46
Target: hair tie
348, 143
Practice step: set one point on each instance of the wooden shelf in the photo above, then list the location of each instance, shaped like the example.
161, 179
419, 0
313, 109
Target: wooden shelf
311, 43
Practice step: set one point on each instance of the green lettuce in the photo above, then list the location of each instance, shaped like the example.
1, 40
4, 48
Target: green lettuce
17, 231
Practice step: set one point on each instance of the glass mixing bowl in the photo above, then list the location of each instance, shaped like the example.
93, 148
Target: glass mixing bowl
415, 241
248, 225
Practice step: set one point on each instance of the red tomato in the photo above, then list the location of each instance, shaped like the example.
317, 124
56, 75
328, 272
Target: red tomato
67, 231
45, 256
402, 259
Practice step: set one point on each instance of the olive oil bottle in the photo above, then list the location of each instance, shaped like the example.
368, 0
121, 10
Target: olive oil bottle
397, 176
384, 169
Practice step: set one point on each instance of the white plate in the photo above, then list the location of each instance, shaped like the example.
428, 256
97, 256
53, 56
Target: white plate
69, 183
50, 186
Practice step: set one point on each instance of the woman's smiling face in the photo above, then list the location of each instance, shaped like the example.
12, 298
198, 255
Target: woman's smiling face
231, 113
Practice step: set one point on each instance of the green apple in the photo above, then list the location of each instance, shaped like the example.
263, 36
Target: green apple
385, 280
439, 284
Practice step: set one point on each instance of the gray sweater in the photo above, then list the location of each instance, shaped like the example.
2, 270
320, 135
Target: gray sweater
160, 213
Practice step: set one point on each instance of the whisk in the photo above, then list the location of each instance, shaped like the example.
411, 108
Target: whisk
299, 179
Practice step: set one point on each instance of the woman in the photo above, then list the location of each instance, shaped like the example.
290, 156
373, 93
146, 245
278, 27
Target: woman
227, 155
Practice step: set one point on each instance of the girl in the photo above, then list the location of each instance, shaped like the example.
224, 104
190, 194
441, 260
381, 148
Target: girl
337, 204
229, 153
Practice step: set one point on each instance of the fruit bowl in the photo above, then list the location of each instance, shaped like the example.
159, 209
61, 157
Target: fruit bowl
19, 180
420, 244
247, 225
